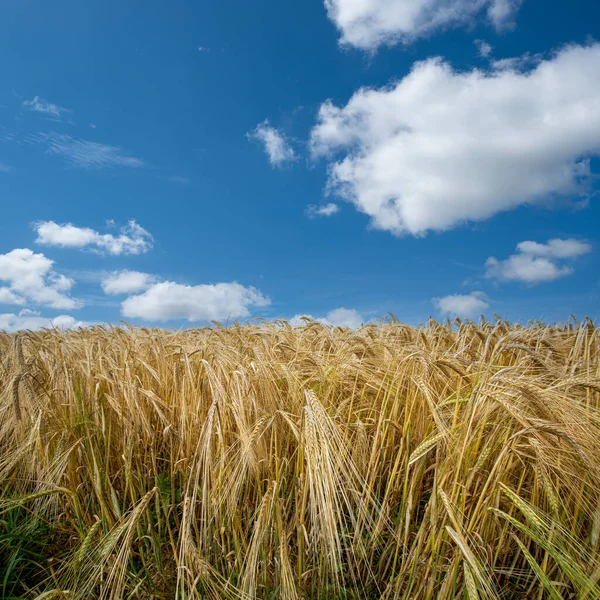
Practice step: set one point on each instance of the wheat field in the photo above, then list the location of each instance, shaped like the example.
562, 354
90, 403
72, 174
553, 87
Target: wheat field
451, 460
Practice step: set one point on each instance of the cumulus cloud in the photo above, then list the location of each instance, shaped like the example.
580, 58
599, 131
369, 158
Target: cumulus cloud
47, 108
325, 210
133, 239
368, 24
85, 154
31, 278
339, 317
168, 301
7, 296
462, 305
127, 282
442, 147
536, 263
276, 145
29, 319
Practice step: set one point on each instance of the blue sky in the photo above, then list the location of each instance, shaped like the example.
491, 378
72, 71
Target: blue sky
170, 164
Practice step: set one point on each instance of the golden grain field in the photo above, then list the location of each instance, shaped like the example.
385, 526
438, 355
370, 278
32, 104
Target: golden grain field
454, 460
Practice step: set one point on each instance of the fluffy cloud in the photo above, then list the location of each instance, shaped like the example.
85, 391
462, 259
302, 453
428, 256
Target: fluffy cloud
326, 210
168, 300
30, 277
84, 153
339, 317
127, 282
368, 24
9, 297
276, 146
535, 263
47, 108
462, 305
28, 319
442, 147
133, 238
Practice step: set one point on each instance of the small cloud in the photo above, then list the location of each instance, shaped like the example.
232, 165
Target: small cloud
519, 64
339, 317
169, 301
5, 168
127, 282
93, 126
179, 179
47, 108
32, 320
483, 48
85, 154
133, 239
369, 24
203, 49
326, 210
276, 146
501, 13
536, 263
462, 305
30, 277
7, 296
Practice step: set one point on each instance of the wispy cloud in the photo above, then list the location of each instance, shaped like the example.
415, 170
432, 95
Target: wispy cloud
41, 106
84, 153
325, 210
180, 179
127, 282
276, 146
5, 168
339, 317
483, 48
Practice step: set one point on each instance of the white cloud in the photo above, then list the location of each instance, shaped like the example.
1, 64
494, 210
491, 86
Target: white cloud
326, 210
127, 282
462, 305
28, 319
47, 108
276, 146
133, 238
180, 179
535, 263
31, 278
168, 300
442, 147
83, 153
368, 24
339, 317
483, 48
5, 168
556, 248
7, 296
